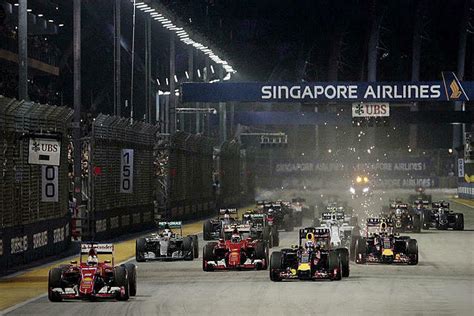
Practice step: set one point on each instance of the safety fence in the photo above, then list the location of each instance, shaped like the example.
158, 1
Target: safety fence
118, 158
131, 176
230, 172
190, 171
31, 217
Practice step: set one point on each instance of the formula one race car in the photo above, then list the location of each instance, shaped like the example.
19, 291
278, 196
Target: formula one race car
315, 259
212, 228
360, 187
237, 250
404, 218
342, 234
348, 217
300, 209
381, 245
441, 217
260, 229
280, 215
167, 245
92, 279
420, 195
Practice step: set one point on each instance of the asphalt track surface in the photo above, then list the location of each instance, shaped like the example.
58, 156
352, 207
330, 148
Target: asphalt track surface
441, 284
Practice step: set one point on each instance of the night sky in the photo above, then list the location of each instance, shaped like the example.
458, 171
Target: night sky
264, 40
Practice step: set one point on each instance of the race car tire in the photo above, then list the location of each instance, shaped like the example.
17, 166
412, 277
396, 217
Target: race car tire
288, 223
344, 254
195, 245
188, 248
360, 250
132, 278
412, 251
121, 279
459, 224
140, 245
208, 255
275, 266
266, 236
261, 252
275, 237
416, 223
207, 230
54, 281
425, 219
335, 266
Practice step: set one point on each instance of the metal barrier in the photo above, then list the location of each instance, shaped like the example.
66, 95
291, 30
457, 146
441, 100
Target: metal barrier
27, 223
230, 171
120, 183
190, 168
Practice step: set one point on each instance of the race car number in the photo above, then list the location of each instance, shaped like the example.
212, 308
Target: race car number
126, 171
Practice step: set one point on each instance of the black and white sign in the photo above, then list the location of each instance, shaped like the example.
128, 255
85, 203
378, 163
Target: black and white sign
126, 171
461, 168
49, 184
19, 244
370, 109
44, 151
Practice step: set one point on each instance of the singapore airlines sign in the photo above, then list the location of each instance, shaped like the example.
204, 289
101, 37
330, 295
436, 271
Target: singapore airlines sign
367, 92
449, 89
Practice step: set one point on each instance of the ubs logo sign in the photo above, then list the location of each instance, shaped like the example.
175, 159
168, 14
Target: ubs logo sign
44, 151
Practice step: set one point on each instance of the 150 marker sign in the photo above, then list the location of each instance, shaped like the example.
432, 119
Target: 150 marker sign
126, 171
370, 109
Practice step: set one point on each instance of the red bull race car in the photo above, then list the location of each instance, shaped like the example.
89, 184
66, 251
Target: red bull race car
236, 251
312, 260
381, 245
93, 279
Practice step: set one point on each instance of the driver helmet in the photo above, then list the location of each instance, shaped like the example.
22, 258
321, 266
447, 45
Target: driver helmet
92, 259
235, 236
398, 211
167, 230
309, 245
226, 215
270, 211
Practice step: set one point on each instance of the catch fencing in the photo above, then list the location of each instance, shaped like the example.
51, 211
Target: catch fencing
190, 170
119, 178
30, 227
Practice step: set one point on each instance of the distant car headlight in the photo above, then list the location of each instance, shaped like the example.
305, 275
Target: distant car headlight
365, 190
352, 190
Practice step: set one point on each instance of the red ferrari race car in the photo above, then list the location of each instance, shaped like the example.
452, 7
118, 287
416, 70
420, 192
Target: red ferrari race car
237, 250
93, 279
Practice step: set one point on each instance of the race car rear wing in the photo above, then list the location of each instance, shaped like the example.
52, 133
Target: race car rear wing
398, 205
175, 224
222, 211
373, 221
100, 248
316, 231
423, 202
241, 228
440, 204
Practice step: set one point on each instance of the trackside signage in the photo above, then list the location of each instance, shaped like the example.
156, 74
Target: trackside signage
450, 89
370, 109
44, 151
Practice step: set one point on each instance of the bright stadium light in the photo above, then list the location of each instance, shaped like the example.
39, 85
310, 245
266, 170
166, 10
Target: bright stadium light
183, 35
